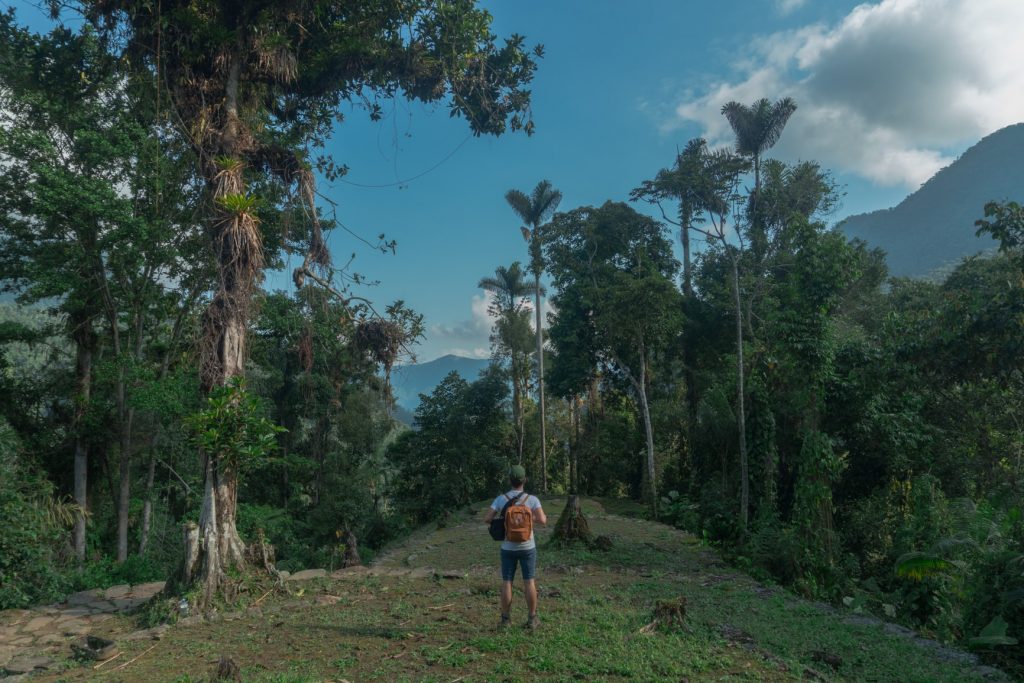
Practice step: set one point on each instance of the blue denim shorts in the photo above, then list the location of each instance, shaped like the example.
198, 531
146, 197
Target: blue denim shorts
527, 559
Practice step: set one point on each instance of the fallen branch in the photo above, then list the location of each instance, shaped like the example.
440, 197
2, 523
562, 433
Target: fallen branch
107, 661
262, 597
118, 668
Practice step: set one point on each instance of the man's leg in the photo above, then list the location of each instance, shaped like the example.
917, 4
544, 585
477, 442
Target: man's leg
508, 573
506, 598
529, 563
530, 588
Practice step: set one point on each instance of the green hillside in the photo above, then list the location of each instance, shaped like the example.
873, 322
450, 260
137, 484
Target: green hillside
934, 226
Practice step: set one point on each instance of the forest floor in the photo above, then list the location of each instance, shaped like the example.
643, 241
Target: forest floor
427, 611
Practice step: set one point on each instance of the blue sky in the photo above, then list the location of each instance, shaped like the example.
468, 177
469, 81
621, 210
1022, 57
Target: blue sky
888, 93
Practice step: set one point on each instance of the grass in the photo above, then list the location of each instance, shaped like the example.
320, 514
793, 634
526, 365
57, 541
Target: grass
593, 605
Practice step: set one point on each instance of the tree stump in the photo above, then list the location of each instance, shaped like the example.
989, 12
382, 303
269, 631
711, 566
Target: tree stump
227, 670
350, 558
572, 525
668, 615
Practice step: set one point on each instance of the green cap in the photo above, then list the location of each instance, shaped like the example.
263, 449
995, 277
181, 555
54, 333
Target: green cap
517, 472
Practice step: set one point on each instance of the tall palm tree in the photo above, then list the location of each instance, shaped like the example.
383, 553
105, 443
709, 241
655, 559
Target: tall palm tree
757, 128
535, 210
511, 289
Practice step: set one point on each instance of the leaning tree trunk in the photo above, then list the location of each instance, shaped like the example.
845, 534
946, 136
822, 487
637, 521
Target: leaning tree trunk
214, 547
540, 384
741, 418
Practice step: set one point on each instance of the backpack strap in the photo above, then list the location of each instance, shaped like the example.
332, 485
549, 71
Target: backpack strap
509, 502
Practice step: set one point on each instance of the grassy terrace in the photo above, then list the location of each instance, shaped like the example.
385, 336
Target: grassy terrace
402, 626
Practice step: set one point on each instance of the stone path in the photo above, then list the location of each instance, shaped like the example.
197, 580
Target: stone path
37, 638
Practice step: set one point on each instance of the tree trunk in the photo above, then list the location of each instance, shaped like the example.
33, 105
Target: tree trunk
540, 384
125, 482
214, 546
648, 431
147, 506
689, 355
84, 342
740, 393
684, 237
574, 444
517, 406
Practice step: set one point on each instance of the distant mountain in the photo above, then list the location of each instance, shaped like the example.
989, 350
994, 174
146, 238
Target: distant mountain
409, 381
934, 226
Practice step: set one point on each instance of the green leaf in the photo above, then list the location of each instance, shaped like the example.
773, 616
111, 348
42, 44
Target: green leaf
918, 565
993, 635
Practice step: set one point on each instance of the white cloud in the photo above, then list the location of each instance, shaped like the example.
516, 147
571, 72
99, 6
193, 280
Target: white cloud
887, 91
788, 6
473, 329
470, 337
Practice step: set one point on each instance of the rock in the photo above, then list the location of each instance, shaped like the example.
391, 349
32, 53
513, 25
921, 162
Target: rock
78, 627
284, 574
84, 598
7, 654
117, 591
17, 678
148, 590
38, 623
27, 664
123, 604
350, 572
101, 606
21, 641
422, 573
327, 600
95, 648
307, 574
50, 639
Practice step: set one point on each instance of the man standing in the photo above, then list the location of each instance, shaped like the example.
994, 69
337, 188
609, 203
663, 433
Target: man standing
518, 553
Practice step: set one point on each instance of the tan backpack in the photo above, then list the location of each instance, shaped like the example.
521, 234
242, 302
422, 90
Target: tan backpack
519, 520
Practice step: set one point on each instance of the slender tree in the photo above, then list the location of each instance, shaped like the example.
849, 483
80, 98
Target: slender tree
757, 128
535, 210
511, 289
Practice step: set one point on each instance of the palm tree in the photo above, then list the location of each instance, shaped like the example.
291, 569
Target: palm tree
511, 289
757, 128
535, 210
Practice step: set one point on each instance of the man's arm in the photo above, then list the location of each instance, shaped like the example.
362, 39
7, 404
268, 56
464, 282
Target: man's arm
490, 515
538, 515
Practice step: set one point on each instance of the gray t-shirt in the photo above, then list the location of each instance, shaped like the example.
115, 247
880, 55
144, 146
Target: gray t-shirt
530, 502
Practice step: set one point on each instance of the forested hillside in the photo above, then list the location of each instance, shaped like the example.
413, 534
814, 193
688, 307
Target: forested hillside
733, 368
933, 228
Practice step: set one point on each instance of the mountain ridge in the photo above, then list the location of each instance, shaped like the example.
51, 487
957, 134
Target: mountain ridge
933, 226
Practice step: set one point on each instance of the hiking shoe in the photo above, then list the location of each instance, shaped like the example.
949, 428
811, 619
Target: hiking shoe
532, 624
505, 622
